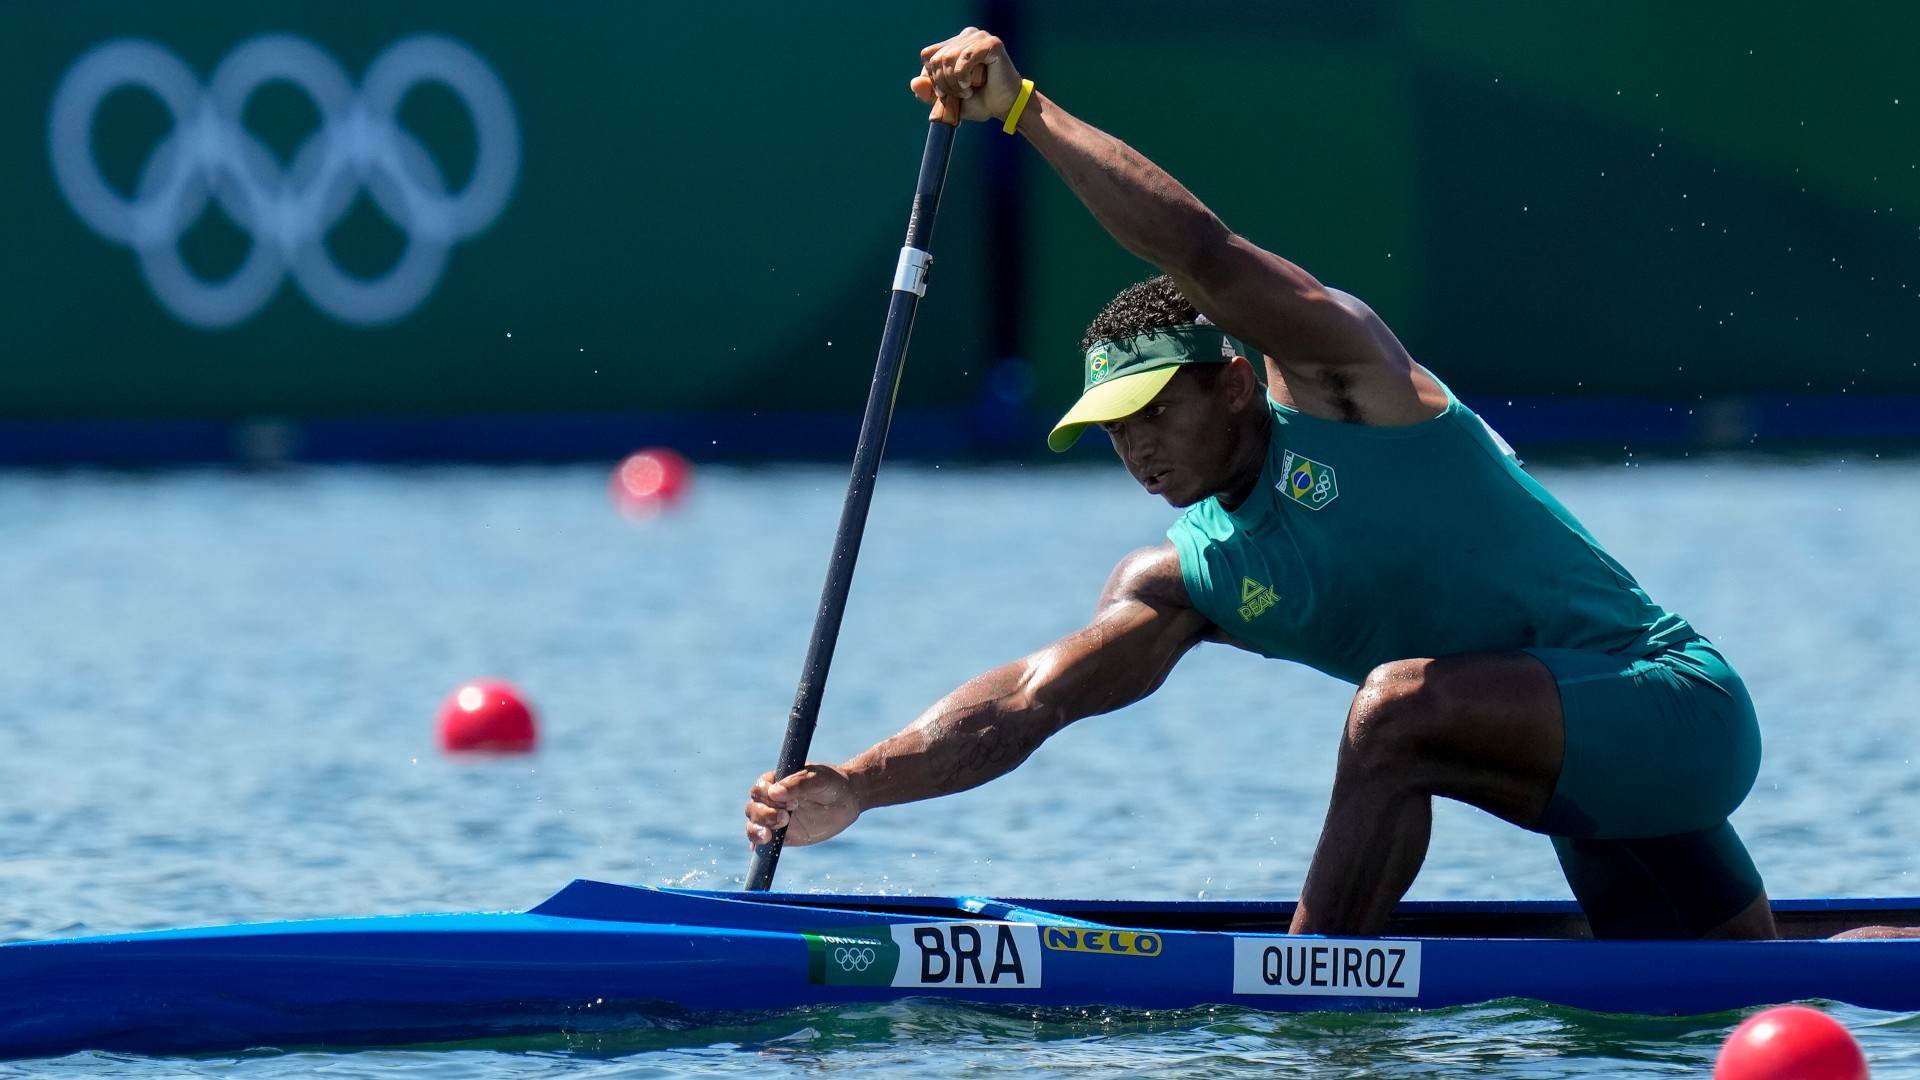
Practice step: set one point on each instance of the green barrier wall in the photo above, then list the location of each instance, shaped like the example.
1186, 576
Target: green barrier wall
680, 235
1629, 198
1673, 202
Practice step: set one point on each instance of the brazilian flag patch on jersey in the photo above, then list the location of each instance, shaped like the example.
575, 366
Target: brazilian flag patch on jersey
1307, 482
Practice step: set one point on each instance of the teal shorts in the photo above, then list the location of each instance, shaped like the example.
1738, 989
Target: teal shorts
1659, 751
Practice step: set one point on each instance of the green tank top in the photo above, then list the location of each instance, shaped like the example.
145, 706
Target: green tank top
1362, 545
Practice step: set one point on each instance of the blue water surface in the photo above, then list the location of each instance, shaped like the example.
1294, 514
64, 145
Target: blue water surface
217, 693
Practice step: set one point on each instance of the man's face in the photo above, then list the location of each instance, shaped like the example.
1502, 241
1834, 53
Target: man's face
1178, 446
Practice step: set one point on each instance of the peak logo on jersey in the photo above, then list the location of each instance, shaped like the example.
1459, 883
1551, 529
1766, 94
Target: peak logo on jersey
1307, 482
1255, 599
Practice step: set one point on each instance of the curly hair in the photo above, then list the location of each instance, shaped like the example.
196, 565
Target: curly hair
1153, 304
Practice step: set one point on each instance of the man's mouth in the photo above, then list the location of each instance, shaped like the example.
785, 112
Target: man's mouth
1152, 480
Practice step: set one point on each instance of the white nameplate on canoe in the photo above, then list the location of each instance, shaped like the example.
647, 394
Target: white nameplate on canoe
1326, 967
956, 955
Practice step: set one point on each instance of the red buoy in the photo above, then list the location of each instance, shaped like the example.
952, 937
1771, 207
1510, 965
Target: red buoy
1791, 1042
489, 715
650, 481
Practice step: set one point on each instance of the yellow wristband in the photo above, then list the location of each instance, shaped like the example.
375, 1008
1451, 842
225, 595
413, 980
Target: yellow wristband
1019, 105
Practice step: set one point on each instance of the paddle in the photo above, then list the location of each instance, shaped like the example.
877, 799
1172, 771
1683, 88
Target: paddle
909, 285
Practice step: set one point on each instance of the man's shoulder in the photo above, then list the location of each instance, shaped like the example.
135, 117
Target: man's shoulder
1204, 522
1152, 577
1149, 575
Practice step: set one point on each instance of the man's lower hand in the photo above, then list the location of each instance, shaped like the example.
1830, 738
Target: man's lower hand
813, 804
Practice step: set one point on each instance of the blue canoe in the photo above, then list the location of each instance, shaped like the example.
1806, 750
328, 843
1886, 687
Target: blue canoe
596, 957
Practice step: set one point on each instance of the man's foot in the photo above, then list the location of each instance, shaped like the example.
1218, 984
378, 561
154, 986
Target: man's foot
1876, 933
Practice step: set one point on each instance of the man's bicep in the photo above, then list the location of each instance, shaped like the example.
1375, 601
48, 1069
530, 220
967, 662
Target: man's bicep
1277, 307
1143, 625
1123, 655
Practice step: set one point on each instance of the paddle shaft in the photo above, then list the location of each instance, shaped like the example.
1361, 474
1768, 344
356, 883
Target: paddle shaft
909, 285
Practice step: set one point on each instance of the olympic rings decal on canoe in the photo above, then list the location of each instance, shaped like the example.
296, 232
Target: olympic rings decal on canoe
854, 959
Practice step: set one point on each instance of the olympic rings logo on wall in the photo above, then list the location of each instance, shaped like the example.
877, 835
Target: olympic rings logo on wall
209, 157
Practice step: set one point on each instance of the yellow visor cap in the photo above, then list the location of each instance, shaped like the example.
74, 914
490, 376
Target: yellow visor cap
1114, 399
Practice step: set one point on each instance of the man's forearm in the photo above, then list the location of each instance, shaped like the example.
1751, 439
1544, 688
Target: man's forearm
978, 732
1139, 203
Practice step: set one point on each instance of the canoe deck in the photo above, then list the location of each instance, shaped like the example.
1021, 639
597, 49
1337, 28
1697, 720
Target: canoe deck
1562, 920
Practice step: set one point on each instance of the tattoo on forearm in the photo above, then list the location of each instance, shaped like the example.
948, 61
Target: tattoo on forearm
980, 755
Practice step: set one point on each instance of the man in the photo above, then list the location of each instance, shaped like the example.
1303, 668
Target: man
1353, 516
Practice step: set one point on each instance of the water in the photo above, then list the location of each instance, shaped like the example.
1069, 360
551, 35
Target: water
217, 691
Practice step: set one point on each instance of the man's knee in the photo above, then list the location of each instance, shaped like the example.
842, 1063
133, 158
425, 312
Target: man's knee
1393, 715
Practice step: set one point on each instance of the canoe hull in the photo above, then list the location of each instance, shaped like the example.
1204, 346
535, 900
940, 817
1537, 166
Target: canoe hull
599, 957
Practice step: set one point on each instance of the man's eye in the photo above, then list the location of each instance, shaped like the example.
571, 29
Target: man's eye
1153, 411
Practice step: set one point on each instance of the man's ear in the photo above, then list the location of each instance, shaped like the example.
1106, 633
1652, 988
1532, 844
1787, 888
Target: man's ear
1243, 384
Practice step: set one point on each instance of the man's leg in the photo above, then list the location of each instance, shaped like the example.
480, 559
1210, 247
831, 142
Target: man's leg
1754, 923
1692, 885
1485, 729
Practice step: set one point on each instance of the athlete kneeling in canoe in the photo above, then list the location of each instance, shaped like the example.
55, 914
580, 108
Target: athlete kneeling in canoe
1351, 515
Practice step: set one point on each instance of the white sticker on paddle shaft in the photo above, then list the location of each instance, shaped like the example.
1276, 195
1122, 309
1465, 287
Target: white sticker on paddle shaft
1326, 967
910, 273
987, 955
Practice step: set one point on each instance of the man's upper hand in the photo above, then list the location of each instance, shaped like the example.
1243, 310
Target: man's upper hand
812, 804
967, 77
